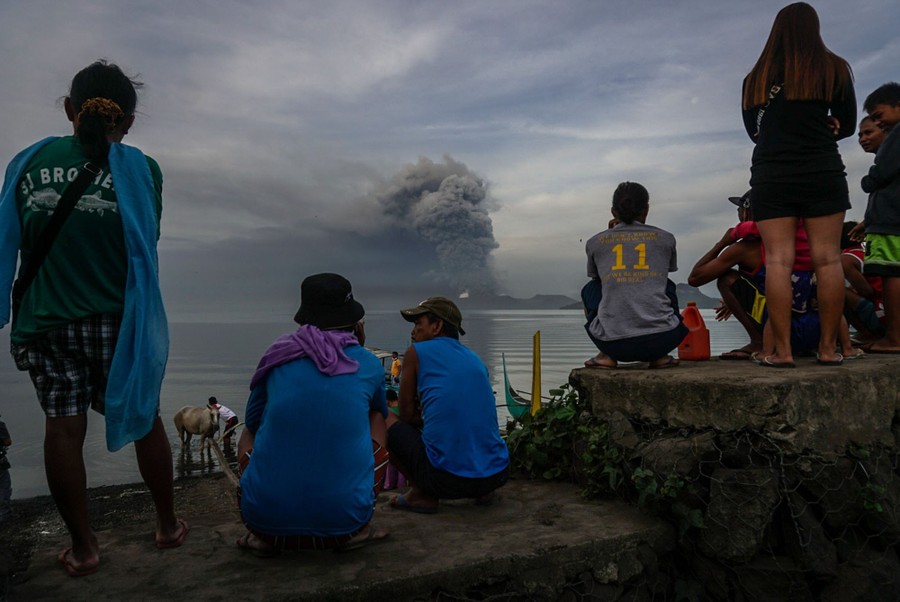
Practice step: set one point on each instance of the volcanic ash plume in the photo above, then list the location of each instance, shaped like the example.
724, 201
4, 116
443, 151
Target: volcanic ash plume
447, 206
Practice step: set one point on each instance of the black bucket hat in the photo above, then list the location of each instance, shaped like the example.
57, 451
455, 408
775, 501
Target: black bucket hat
326, 301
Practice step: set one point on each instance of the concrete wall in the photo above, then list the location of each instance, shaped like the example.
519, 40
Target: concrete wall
796, 472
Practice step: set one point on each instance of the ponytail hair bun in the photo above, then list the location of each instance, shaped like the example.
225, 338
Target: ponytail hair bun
101, 95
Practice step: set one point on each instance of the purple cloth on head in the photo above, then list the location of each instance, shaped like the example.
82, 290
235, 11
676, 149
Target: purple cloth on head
324, 348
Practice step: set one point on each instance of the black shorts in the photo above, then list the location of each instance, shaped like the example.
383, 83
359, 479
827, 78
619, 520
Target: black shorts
646, 347
408, 450
769, 201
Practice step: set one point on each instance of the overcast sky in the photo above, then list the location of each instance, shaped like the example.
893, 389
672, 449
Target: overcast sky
419, 146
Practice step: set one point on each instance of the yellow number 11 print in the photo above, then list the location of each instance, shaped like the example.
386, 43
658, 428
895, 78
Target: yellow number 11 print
641, 259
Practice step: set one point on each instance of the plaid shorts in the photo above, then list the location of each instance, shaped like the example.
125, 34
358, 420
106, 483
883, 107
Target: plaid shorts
69, 365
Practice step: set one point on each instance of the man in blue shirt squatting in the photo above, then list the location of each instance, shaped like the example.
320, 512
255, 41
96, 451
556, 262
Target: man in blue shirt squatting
315, 428
445, 390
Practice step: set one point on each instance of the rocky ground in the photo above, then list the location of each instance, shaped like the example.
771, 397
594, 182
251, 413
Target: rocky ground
535, 541
35, 521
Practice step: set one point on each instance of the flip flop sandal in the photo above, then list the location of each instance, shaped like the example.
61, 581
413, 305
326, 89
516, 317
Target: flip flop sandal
356, 543
175, 543
595, 363
399, 502
837, 361
671, 362
765, 363
736, 355
244, 544
74, 571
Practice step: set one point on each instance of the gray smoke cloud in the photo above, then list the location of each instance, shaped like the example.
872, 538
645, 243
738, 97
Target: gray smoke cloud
447, 206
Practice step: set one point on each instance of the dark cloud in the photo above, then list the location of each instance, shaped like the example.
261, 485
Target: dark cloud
429, 232
447, 206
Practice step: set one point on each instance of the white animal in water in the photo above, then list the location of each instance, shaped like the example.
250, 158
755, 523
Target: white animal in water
196, 421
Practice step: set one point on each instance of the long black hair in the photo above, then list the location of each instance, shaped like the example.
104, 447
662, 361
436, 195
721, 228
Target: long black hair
101, 96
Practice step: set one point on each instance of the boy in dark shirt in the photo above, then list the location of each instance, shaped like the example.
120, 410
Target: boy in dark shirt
882, 219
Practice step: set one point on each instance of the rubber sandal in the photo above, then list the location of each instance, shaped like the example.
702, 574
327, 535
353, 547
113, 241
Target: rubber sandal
765, 363
838, 361
175, 543
736, 355
595, 363
355, 544
73, 570
399, 502
670, 362
244, 543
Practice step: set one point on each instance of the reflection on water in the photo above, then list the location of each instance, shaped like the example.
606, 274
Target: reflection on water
218, 359
191, 461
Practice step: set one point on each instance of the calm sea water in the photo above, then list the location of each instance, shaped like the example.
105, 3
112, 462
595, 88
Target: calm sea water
218, 359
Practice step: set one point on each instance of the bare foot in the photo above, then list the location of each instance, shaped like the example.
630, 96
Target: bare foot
881, 346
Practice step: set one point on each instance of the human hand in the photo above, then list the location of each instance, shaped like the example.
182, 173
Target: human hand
858, 232
722, 312
834, 125
613, 223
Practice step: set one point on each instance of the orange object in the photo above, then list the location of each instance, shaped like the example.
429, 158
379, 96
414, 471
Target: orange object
695, 346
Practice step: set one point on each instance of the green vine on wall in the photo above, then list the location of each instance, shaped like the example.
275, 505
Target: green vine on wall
564, 441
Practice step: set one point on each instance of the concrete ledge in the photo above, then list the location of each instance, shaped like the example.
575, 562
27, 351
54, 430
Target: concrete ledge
533, 540
808, 408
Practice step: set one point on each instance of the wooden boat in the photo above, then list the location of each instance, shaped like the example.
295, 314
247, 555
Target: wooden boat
516, 404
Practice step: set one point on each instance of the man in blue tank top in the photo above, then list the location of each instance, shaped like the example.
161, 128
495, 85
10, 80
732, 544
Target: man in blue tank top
444, 391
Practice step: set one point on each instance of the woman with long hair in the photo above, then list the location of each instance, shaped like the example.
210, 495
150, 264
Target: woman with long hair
88, 321
798, 101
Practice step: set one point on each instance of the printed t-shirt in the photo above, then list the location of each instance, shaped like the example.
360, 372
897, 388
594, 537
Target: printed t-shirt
86, 269
632, 262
